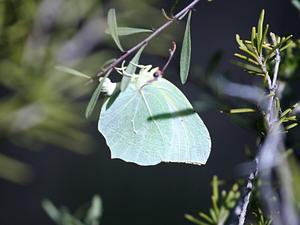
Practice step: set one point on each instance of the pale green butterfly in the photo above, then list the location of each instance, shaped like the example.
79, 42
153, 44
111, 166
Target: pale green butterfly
152, 122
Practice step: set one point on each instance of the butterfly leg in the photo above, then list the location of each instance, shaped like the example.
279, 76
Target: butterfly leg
123, 72
121, 69
144, 68
148, 67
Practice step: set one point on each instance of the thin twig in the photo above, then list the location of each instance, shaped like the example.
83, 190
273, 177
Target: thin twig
177, 17
264, 69
241, 210
277, 63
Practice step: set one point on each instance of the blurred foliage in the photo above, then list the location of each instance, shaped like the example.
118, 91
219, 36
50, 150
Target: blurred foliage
89, 214
41, 106
295, 170
296, 3
260, 218
14, 170
222, 204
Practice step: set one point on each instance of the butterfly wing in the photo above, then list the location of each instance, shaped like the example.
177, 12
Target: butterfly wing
152, 125
189, 140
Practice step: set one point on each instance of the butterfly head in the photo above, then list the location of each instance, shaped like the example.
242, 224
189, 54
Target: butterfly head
157, 73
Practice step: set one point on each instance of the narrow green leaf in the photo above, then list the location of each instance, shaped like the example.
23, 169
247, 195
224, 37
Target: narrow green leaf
294, 106
213, 215
113, 27
215, 187
194, 220
253, 36
263, 38
206, 217
296, 3
292, 118
260, 28
248, 67
281, 45
131, 69
287, 45
291, 126
242, 110
123, 31
72, 72
287, 111
243, 47
246, 50
246, 58
277, 104
92, 103
215, 195
165, 14
185, 57
240, 42
95, 211
51, 210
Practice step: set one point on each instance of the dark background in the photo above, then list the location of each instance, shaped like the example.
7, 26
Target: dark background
158, 194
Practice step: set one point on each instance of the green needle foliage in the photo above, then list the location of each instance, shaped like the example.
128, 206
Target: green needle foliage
222, 204
258, 53
260, 218
258, 56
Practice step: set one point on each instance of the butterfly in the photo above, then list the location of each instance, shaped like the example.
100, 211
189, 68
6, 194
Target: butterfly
152, 121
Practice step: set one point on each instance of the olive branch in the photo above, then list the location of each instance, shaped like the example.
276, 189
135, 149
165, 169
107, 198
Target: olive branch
116, 31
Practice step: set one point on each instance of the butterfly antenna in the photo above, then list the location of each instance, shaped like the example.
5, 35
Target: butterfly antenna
172, 51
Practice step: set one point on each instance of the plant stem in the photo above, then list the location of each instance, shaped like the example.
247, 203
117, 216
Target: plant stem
269, 157
264, 69
246, 196
177, 17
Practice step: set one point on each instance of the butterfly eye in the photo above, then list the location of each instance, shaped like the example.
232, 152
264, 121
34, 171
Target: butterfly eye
156, 74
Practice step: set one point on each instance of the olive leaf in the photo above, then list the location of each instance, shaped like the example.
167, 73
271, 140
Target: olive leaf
123, 31
185, 56
92, 103
113, 27
131, 69
72, 72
